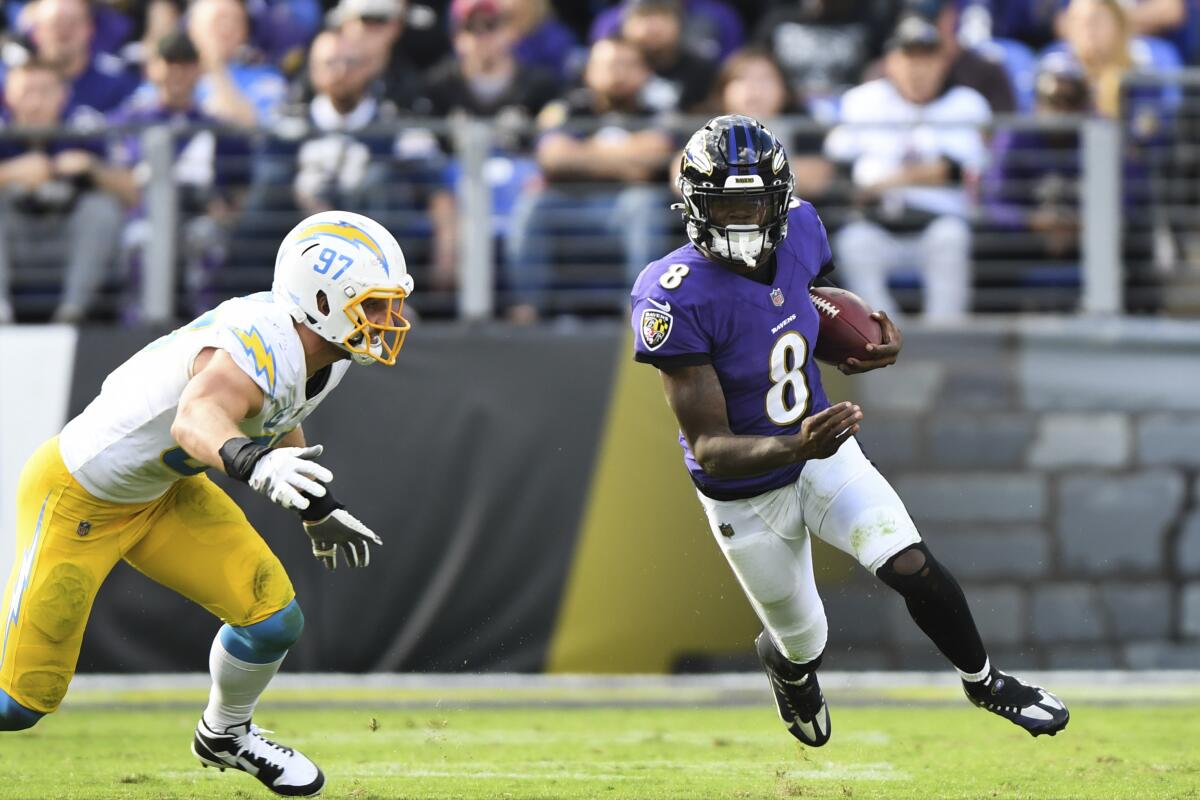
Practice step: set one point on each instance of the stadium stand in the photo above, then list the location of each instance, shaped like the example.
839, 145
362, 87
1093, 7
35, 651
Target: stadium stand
249, 157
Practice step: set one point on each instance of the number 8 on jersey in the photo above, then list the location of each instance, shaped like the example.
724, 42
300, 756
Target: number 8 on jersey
787, 372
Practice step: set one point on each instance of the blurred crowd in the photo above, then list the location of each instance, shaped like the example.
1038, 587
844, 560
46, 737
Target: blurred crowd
280, 108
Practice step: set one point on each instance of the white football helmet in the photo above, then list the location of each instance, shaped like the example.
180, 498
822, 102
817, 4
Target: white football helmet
333, 263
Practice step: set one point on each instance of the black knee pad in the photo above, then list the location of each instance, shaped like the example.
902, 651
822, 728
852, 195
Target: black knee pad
922, 580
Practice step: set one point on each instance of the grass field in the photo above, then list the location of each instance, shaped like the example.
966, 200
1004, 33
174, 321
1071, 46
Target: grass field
625, 741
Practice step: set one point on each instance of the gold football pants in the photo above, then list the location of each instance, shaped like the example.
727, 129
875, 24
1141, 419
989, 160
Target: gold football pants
194, 539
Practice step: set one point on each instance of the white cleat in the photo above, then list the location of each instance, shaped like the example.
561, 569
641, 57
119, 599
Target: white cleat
243, 747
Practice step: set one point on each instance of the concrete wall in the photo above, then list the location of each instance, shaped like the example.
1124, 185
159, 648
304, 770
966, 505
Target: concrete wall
1055, 467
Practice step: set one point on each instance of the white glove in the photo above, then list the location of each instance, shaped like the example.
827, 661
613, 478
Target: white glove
283, 473
342, 529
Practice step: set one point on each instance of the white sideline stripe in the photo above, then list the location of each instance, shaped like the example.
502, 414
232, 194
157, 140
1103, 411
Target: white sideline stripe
462, 774
880, 771
634, 770
751, 681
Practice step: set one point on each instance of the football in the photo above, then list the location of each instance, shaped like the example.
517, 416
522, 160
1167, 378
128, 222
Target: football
846, 325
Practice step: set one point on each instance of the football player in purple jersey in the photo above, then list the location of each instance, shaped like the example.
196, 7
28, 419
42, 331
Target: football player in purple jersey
728, 322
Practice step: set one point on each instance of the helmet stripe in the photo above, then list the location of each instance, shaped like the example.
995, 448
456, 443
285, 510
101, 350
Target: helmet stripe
752, 141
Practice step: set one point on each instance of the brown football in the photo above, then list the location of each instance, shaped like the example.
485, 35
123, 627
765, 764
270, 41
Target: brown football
846, 325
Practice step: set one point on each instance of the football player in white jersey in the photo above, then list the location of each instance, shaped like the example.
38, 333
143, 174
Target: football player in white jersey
125, 480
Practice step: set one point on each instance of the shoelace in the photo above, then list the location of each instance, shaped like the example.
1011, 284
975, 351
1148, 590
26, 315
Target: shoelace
254, 736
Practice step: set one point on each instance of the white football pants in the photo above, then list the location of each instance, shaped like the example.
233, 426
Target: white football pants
842, 500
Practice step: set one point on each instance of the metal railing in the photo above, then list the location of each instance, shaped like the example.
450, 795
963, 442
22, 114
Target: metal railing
1132, 235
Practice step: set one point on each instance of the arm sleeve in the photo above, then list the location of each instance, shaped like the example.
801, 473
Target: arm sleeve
668, 334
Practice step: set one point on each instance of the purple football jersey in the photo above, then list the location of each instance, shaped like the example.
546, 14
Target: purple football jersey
688, 309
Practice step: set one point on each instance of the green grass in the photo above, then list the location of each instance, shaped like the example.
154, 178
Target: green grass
894, 752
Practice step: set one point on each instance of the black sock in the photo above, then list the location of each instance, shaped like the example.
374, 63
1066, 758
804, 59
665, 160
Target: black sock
937, 604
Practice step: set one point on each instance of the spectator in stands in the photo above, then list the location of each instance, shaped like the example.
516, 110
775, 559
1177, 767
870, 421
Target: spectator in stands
1033, 182
336, 166
543, 41
1177, 21
340, 150
373, 29
824, 45
682, 78
714, 28
98, 82
909, 143
233, 89
752, 82
1098, 36
967, 68
211, 169
1097, 33
484, 78
612, 172
112, 26
59, 200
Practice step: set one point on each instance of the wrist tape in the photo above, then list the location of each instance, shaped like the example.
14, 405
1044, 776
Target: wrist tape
239, 455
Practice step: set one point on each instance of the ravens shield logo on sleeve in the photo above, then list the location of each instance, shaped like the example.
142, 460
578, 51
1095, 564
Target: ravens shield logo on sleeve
656, 327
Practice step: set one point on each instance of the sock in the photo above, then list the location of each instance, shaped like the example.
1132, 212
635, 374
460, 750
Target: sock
976, 677
237, 685
937, 604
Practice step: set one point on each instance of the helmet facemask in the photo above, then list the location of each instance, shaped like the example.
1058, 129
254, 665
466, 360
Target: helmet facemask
379, 341
737, 189
737, 226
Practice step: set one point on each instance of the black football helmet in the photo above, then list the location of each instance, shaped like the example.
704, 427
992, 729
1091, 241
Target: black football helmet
737, 188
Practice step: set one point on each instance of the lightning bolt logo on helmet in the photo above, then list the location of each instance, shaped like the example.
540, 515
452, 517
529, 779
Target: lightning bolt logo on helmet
325, 276
347, 232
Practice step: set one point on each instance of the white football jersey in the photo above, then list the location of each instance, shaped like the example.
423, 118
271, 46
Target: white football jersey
121, 449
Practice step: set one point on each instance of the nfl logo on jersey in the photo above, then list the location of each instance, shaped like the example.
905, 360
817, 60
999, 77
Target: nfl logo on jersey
777, 297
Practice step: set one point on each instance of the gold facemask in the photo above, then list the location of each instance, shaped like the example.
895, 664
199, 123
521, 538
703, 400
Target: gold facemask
390, 333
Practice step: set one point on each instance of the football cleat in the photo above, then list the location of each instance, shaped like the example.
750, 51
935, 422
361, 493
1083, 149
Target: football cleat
798, 696
1031, 707
281, 769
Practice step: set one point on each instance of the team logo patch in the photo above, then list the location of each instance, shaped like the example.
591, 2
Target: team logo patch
656, 327
83, 529
726, 530
264, 357
777, 297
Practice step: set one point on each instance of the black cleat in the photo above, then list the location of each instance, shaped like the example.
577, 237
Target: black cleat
1031, 707
281, 769
798, 696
